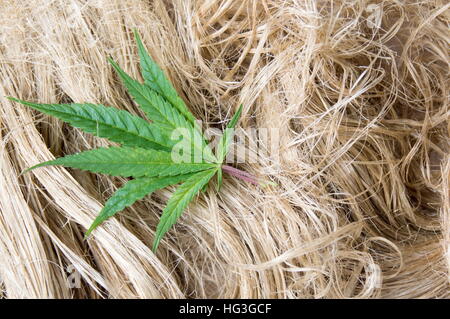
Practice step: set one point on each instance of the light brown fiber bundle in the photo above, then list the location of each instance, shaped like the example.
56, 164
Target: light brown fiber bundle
358, 92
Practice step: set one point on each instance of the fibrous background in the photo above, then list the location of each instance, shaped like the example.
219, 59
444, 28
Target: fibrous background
357, 92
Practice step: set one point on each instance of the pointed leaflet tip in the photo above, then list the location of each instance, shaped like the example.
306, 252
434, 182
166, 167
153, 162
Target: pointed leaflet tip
137, 37
28, 170
111, 61
47, 163
225, 142
88, 232
235, 118
20, 101
155, 78
93, 226
12, 99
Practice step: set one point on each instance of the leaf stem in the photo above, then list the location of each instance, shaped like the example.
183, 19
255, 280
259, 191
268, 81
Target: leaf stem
240, 174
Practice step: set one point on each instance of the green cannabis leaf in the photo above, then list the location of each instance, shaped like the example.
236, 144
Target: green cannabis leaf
149, 151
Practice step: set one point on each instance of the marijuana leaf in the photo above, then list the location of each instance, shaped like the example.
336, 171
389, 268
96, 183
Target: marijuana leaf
116, 125
154, 77
163, 114
225, 142
126, 162
132, 191
179, 201
149, 152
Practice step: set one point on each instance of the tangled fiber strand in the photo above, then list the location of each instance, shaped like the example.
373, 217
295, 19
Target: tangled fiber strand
357, 90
